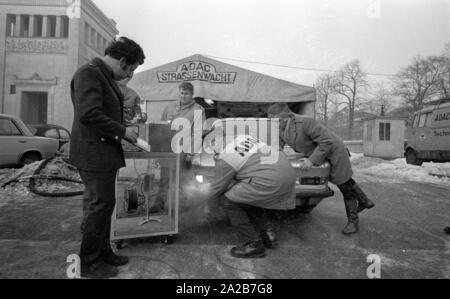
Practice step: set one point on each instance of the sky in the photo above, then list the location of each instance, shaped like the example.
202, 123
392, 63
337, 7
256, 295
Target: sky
384, 35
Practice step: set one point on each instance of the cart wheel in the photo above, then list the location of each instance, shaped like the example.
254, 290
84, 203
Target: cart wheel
118, 245
169, 240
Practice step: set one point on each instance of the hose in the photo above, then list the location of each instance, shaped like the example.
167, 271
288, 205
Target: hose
36, 175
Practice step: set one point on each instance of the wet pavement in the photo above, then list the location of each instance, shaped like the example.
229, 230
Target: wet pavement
406, 230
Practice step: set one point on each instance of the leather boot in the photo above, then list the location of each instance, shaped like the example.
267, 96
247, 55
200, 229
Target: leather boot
363, 201
249, 250
351, 207
115, 260
98, 270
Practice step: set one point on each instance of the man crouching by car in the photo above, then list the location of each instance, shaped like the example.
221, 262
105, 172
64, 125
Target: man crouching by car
247, 186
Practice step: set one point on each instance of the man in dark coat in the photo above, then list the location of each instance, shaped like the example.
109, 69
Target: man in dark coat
96, 149
307, 136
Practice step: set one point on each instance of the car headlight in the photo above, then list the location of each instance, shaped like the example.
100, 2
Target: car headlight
199, 178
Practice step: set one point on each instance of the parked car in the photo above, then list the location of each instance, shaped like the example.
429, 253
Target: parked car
51, 131
18, 145
429, 136
311, 187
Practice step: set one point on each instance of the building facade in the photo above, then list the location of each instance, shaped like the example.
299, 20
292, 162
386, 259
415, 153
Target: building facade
42, 44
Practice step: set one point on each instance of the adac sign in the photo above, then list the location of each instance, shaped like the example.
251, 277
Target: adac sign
196, 71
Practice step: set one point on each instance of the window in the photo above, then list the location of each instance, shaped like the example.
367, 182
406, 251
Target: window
422, 120
64, 27
369, 132
24, 26
8, 128
93, 38
87, 32
10, 25
64, 134
99, 43
51, 26
385, 131
32, 130
416, 121
52, 133
429, 119
12, 89
38, 22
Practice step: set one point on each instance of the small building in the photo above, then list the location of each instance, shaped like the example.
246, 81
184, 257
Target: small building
384, 137
42, 44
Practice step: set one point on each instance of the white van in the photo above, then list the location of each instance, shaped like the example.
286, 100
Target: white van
429, 137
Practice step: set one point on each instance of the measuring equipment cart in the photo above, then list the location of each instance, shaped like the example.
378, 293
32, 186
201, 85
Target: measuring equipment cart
148, 190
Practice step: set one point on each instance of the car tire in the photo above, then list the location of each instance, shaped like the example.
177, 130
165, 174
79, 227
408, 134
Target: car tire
411, 158
29, 159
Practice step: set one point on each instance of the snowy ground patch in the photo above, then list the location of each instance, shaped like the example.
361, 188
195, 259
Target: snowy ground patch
437, 173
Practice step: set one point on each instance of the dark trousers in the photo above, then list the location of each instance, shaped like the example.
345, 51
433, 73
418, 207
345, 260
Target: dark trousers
98, 205
351, 200
249, 221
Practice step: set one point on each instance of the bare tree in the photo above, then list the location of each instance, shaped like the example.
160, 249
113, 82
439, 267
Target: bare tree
443, 62
379, 97
350, 85
325, 86
419, 81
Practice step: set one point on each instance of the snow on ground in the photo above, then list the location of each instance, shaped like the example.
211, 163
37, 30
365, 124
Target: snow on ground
436, 173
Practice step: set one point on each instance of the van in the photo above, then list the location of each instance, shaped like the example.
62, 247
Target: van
429, 136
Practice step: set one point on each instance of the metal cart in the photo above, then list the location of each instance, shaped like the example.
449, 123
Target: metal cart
137, 188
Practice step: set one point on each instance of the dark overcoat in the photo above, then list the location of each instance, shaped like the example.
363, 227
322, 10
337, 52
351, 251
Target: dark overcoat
98, 128
309, 137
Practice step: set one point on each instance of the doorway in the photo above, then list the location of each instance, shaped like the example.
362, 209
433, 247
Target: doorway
34, 107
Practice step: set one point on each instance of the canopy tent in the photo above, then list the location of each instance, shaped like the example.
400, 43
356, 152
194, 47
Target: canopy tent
218, 81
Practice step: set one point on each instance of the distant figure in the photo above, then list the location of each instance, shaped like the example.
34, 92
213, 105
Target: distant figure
132, 104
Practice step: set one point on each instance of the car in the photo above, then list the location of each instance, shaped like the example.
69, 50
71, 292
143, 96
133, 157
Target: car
51, 131
19, 146
429, 136
311, 187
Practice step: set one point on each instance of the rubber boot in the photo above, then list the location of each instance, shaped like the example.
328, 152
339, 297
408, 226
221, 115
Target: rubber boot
351, 207
363, 201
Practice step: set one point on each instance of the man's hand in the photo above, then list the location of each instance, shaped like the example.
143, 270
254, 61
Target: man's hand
131, 135
306, 165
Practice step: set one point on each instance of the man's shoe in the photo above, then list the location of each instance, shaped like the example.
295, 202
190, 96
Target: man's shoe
98, 270
250, 250
269, 237
115, 260
350, 228
369, 205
